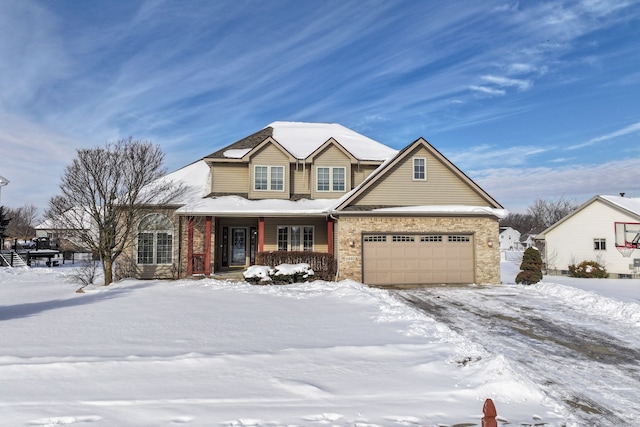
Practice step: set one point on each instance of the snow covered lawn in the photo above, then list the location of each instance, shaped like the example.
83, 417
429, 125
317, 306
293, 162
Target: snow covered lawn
214, 353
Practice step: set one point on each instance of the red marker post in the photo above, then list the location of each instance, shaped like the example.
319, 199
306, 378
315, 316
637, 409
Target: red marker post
490, 414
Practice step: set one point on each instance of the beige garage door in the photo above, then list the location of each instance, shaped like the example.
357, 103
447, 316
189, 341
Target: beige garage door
410, 259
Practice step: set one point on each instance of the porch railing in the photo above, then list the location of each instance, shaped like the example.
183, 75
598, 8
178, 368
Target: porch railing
197, 264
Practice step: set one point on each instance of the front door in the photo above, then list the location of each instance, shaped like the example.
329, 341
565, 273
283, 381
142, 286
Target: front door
238, 246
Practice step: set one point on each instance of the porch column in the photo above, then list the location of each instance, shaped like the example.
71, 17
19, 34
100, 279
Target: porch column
190, 247
330, 236
261, 234
207, 246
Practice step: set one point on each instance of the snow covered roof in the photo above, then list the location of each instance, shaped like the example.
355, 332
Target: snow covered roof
445, 209
631, 204
302, 139
71, 219
195, 179
239, 206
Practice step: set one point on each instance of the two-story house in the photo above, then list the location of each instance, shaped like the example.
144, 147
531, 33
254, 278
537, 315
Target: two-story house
509, 239
389, 217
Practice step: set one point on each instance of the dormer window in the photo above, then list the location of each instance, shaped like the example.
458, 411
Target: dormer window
331, 178
268, 178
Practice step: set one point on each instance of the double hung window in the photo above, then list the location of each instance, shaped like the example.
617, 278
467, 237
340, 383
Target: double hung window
268, 178
331, 178
419, 169
155, 240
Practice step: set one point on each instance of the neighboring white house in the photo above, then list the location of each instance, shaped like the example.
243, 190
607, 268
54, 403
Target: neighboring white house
527, 240
61, 229
509, 239
588, 234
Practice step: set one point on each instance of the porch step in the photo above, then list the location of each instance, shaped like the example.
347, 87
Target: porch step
233, 275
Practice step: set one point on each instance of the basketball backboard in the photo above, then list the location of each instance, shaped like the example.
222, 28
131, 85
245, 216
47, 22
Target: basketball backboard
627, 234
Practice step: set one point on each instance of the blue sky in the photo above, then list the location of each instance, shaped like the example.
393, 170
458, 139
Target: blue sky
531, 99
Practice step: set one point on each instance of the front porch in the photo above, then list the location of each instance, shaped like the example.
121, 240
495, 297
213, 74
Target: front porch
210, 244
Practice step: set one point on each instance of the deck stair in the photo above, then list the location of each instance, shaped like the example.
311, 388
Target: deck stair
12, 259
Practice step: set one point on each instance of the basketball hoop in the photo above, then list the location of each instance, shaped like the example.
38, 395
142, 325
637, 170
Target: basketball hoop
626, 251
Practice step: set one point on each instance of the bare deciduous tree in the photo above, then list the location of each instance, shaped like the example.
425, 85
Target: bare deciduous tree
104, 193
541, 214
524, 223
548, 212
23, 221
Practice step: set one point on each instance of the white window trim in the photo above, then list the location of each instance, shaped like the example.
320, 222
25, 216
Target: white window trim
269, 168
155, 233
413, 168
289, 234
601, 241
331, 168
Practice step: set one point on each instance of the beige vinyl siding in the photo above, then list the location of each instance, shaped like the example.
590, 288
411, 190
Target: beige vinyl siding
269, 155
360, 173
230, 178
319, 231
301, 174
330, 157
441, 187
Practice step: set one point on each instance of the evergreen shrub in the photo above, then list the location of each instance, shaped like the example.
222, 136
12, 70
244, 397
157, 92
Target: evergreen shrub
531, 267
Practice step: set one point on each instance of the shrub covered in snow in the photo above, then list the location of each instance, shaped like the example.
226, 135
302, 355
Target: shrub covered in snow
281, 274
531, 267
322, 263
588, 270
258, 274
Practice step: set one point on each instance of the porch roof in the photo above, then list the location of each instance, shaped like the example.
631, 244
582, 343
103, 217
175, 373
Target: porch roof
239, 206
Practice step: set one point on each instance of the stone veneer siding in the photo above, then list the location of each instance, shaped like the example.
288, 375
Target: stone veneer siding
199, 243
484, 229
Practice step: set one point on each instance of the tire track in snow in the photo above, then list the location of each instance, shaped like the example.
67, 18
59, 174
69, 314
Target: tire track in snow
569, 353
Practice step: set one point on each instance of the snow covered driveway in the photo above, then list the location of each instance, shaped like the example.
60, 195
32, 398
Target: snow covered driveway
581, 349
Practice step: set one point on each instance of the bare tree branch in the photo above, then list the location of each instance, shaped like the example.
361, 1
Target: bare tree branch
105, 190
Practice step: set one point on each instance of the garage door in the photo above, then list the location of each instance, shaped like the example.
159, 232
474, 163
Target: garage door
410, 259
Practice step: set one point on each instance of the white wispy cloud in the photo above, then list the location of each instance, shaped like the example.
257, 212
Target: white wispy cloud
487, 156
488, 90
194, 78
633, 128
521, 186
508, 82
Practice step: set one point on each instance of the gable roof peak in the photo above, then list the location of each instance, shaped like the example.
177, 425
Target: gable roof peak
301, 139
631, 204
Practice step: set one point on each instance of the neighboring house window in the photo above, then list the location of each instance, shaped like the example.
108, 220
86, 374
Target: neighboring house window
331, 179
600, 244
268, 178
419, 169
155, 240
295, 238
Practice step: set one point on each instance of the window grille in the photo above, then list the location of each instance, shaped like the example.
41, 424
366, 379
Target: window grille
458, 238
